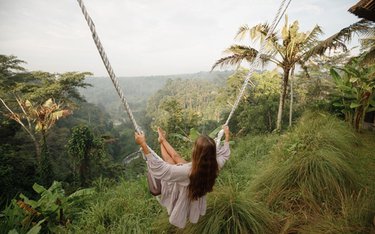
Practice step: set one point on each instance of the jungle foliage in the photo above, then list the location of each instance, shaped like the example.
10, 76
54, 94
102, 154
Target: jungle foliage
70, 165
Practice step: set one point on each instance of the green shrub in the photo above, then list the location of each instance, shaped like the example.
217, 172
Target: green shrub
51, 211
246, 156
228, 211
125, 208
309, 172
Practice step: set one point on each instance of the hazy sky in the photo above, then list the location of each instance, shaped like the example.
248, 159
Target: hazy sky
145, 37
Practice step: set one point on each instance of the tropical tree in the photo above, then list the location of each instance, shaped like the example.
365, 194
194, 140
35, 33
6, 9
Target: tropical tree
261, 116
286, 51
11, 73
84, 149
37, 120
355, 89
35, 101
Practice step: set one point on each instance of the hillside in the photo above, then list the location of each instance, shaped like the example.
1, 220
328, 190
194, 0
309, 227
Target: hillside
301, 182
138, 89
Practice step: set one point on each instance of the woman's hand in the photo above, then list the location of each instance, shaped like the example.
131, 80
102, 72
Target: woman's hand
226, 132
140, 139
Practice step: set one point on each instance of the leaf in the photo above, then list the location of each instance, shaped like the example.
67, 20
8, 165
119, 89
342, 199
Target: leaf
336, 77
82, 192
215, 132
338, 104
13, 231
370, 109
48, 103
38, 188
38, 127
184, 138
353, 79
194, 134
58, 114
354, 105
28, 201
36, 228
28, 103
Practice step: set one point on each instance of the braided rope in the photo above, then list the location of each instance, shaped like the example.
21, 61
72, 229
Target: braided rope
107, 65
256, 63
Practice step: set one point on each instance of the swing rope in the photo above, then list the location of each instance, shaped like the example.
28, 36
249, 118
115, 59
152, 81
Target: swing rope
280, 13
257, 59
107, 65
256, 63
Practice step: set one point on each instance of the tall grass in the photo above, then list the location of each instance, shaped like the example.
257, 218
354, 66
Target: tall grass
246, 157
228, 211
309, 173
231, 211
125, 208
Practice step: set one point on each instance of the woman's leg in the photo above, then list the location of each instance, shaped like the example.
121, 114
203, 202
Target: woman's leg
169, 149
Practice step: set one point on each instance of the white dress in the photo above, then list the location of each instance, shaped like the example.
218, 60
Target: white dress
175, 181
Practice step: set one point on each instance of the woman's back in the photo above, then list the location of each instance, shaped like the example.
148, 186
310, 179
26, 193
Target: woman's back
175, 187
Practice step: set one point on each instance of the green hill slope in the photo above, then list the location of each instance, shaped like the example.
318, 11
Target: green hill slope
316, 178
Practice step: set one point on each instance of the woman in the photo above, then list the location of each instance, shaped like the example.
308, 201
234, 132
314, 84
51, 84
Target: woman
184, 185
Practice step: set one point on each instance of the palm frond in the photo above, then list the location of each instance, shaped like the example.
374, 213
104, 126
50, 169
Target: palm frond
362, 27
312, 36
331, 43
337, 40
258, 32
232, 60
242, 31
238, 53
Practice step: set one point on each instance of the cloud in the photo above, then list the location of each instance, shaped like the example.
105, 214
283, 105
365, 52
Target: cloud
142, 37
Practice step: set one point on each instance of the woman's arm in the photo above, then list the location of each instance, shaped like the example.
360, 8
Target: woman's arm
226, 132
159, 168
223, 152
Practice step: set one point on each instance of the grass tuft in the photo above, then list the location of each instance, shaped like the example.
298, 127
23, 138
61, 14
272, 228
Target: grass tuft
309, 173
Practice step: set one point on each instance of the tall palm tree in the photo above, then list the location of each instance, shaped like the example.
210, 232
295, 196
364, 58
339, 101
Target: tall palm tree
287, 50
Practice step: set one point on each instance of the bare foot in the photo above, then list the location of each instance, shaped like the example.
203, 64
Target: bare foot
161, 137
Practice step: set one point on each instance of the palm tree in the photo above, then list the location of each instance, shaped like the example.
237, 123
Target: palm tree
286, 51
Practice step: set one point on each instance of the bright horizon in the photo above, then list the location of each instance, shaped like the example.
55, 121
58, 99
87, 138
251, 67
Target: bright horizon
143, 38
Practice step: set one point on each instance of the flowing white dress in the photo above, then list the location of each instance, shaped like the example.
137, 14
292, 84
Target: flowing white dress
175, 182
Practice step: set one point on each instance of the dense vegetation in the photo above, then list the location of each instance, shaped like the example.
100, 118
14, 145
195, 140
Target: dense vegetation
302, 158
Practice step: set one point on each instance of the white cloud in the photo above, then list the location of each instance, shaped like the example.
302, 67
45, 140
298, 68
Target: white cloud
143, 37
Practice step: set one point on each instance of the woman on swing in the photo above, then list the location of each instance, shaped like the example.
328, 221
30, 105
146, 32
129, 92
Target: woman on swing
184, 184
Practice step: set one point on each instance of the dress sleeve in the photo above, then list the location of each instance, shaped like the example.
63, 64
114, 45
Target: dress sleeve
222, 154
162, 170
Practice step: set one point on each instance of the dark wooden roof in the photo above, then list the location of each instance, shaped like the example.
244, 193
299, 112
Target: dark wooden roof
364, 9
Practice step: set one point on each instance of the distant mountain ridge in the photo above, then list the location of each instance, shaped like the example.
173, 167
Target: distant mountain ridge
138, 89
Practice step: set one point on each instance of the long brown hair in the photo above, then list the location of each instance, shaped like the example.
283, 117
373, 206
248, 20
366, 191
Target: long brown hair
204, 167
